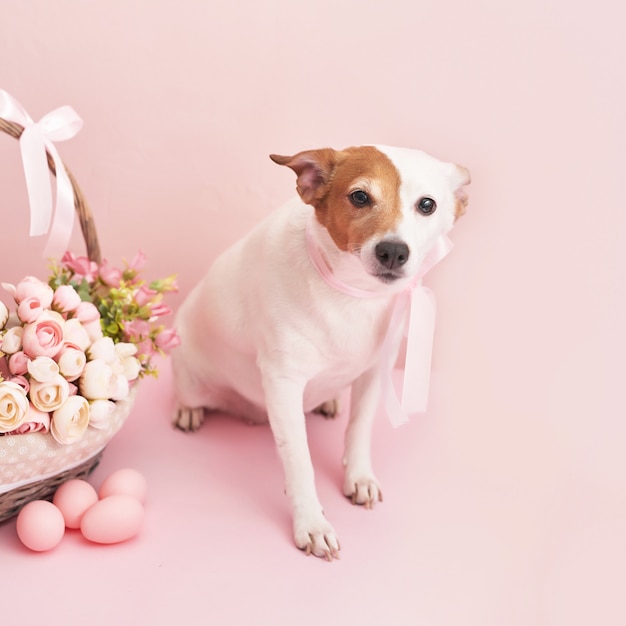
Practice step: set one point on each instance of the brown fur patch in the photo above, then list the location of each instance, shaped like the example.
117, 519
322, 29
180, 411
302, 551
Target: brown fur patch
370, 170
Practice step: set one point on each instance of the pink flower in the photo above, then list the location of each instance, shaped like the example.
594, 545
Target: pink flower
139, 260
31, 287
137, 329
36, 421
65, 299
110, 275
29, 309
167, 339
45, 336
144, 295
18, 363
145, 350
81, 266
87, 312
94, 330
75, 334
32, 296
160, 309
22, 381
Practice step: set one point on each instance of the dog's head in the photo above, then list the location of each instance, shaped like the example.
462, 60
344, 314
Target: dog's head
386, 206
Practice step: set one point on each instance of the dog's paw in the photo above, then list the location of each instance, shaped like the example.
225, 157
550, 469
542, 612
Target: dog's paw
329, 409
189, 419
317, 537
363, 489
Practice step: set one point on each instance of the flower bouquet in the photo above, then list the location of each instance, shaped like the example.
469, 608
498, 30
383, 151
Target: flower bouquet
72, 348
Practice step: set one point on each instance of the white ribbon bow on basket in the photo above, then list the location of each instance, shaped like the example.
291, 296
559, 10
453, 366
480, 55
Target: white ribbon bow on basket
37, 139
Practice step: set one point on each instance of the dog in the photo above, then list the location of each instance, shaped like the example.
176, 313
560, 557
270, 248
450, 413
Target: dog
264, 336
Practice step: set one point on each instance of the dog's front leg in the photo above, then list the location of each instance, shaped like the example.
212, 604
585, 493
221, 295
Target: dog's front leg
360, 484
312, 532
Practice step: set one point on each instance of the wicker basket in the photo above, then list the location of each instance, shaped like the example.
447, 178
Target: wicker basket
33, 465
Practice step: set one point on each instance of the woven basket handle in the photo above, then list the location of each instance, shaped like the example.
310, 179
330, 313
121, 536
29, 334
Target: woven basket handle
85, 217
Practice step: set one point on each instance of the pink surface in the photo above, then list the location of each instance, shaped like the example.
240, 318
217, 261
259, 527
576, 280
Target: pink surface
506, 503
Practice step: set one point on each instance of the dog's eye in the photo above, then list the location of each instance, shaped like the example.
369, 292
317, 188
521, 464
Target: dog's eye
426, 205
359, 198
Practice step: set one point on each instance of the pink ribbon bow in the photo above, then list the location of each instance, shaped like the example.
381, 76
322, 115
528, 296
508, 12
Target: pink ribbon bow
58, 125
416, 305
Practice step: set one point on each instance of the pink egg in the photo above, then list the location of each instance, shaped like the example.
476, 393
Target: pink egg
40, 525
113, 519
73, 498
128, 482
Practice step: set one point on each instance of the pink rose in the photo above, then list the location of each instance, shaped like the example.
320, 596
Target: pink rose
29, 309
87, 312
18, 363
71, 362
22, 381
76, 334
93, 330
81, 266
12, 340
35, 422
51, 395
70, 421
31, 287
45, 336
167, 339
65, 299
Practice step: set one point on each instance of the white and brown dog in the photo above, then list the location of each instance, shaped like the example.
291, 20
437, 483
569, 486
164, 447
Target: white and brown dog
266, 337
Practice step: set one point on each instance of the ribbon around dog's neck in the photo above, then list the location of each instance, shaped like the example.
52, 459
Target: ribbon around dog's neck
416, 306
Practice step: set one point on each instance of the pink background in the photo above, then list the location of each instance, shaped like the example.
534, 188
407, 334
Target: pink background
506, 503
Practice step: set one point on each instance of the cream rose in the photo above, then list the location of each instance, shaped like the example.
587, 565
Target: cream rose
43, 369
130, 365
100, 412
70, 421
50, 395
71, 362
97, 380
12, 340
103, 349
4, 315
13, 406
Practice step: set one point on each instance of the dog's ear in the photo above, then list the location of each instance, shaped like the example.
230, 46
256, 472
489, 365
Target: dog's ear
314, 169
460, 177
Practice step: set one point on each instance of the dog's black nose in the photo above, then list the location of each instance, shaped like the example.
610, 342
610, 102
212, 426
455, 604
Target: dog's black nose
392, 254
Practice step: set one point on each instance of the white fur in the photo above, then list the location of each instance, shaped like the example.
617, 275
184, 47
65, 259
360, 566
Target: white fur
263, 336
